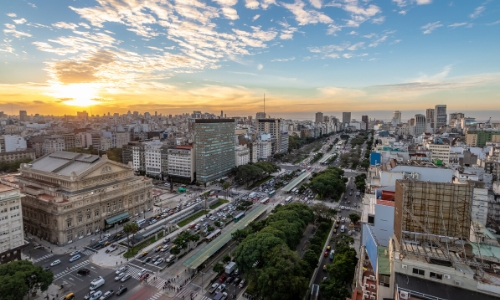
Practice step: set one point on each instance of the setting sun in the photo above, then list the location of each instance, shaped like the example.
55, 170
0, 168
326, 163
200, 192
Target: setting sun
83, 94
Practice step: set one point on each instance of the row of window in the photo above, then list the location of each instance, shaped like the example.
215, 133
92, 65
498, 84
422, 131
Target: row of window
432, 275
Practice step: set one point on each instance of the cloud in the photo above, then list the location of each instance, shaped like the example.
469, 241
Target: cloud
71, 71
332, 29
378, 20
84, 25
260, 67
38, 102
493, 23
283, 59
252, 4
304, 17
287, 32
316, 3
403, 3
478, 11
11, 30
377, 42
347, 55
64, 25
255, 17
454, 25
336, 92
423, 2
355, 46
12, 15
226, 2
430, 27
20, 21
230, 13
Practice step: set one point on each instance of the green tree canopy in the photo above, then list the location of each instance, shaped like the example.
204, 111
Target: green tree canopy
130, 228
18, 278
354, 218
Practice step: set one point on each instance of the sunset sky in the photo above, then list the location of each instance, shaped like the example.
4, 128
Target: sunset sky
61, 56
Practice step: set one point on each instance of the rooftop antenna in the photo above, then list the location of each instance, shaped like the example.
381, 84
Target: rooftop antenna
265, 105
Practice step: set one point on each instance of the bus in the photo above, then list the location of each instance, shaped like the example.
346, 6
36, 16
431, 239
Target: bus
288, 199
140, 222
314, 292
272, 193
239, 217
213, 235
264, 201
294, 191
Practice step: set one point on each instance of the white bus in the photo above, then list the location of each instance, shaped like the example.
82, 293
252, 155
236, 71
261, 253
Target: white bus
264, 201
288, 199
99, 281
140, 222
294, 191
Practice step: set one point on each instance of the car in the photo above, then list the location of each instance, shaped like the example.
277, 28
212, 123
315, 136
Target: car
55, 262
142, 254
119, 276
144, 276
159, 261
76, 257
155, 258
324, 267
121, 270
222, 278
142, 272
236, 280
146, 260
221, 288
158, 249
230, 279
94, 296
83, 272
236, 272
121, 290
126, 277
328, 247
326, 254
242, 283
107, 295
69, 296
171, 258
164, 249
37, 246
75, 253
46, 268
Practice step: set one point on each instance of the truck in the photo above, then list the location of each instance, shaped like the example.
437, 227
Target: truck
99, 281
230, 267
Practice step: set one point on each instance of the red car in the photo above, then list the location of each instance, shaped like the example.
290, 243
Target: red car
222, 278
144, 276
326, 253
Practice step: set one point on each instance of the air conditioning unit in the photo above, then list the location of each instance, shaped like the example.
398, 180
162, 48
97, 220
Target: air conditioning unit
373, 297
457, 282
367, 285
403, 295
366, 296
404, 266
372, 286
372, 277
447, 276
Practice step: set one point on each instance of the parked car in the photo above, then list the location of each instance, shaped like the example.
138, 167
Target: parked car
222, 278
37, 246
242, 283
159, 261
146, 260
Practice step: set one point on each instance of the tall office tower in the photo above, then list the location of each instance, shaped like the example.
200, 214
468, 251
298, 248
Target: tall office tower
260, 115
82, 115
326, 119
319, 117
365, 120
397, 115
272, 127
11, 214
419, 124
346, 117
429, 115
23, 116
439, 116
214, 148
221, 114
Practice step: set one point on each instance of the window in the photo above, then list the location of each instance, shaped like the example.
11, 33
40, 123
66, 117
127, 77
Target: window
69, 222
418, 272
436, 276
96, 212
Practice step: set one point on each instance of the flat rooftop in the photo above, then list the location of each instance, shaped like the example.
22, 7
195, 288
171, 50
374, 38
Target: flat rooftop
5, 188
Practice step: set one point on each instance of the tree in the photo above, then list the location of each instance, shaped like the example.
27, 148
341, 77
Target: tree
130, 228
225, 186
323, 211
311, 258
226, 258
19, 278
354, 218
218, 268
333, 289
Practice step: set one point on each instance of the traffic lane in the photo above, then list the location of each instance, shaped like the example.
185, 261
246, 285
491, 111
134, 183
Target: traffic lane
144, 292
82, 288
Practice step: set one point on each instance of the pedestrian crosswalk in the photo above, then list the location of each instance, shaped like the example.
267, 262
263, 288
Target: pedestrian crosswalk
69, 270
158, 282
43, 258
88, 252
156, 296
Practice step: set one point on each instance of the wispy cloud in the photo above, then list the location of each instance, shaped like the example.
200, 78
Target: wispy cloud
260, 67
493, 23
64, 25
477, 12
455, 25
303, 16
430, 27
255, 17
20, 21
12, 15
283, 59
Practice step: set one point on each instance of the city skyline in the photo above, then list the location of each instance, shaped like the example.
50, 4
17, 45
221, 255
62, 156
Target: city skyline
359, 56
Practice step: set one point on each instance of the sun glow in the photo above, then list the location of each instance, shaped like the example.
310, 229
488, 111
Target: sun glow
82, 94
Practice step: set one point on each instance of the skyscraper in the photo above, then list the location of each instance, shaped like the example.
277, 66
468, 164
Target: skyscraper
319, 117
439, 116
429, 115
397, 115
346, 117
272, 127
260, 115
419, 124
364, 118
214, 146
23, 116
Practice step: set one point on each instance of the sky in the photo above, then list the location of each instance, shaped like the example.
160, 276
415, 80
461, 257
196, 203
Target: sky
174, 56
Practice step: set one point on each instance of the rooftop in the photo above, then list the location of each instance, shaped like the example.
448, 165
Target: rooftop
5, 188
384, 262
64, 163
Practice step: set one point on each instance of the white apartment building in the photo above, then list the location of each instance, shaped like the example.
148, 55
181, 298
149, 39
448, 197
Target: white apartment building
181, 162
440, 151
11, 224
152, 157
264, 149
53, 144
242, 155
14, 143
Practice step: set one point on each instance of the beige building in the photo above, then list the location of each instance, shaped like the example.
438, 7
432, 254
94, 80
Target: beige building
69, 195
11, 224
440, 151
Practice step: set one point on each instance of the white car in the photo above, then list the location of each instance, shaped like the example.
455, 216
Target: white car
158, 261
119, 276
142, 272
76, 257
95, 295
55, 262
75, 253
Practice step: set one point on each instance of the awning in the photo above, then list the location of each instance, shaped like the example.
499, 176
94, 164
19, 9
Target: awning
117, 218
